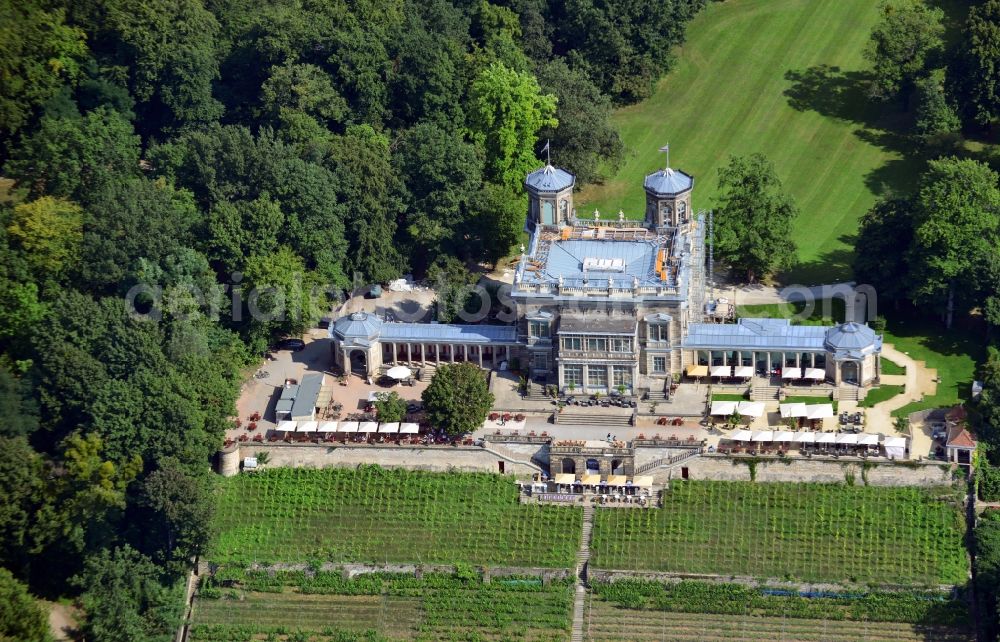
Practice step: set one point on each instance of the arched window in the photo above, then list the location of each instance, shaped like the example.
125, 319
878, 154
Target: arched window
547, 213
568, 465
564, 209
682, 211
665, 214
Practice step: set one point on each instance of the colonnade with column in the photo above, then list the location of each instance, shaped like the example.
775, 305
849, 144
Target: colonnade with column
484, 355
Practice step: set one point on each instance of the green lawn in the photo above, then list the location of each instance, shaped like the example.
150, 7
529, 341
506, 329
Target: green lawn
892, 368
727, 397
812, 532
953, 353
880, 394
372, 515
781, 77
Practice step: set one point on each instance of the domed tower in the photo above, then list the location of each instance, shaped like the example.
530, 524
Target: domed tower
668, 198
550, 196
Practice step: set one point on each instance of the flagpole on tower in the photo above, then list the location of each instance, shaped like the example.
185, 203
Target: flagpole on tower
548, 153
666, 150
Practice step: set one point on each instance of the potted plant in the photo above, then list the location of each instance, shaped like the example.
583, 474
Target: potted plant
621, 389
252, 426
571, 387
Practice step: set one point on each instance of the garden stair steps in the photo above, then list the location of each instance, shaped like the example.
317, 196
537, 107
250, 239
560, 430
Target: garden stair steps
668, 461
582, 560
511, 456
595, 416
536, 392
764, 393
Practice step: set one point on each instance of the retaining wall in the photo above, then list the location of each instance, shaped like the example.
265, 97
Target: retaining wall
460, 458
720, 467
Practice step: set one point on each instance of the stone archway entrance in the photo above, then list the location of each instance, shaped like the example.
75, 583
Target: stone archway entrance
850, 372
569, 465
359, 362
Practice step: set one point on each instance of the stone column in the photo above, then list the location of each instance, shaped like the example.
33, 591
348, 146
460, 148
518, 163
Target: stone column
480, 356
437, 354
585, 382
451, 352
465, 351
393, 361
409, 353
507, 348
611, 380
560, 379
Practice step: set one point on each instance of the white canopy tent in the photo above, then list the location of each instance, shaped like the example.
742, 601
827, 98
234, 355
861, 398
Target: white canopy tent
791, 373
368, 426
409, 429
348, 426
743, 372
643, 481
741, 435
805, 437
723, 408
784, 435
819, 411
328, 426
287, 426
399, 373
762, 435
721, 371
308, 426
391, 428
792, 410
895, 447
816, 374
868, 439
826, 438
847, 438
751, 408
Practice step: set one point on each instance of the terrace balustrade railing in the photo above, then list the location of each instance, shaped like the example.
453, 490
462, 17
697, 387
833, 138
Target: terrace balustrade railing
667, 461
584, 450
594, 354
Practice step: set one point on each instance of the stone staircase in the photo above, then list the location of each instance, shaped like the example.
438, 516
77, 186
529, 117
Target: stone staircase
658, 393
425, 373
505, 453
848, 393
764, 393
582, 561
588, 416
673, 460
536, 392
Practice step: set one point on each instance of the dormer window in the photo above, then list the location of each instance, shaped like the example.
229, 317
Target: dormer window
538, 329
659, 332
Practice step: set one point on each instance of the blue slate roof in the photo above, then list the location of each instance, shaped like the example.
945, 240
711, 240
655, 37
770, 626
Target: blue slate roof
448, 333
852, 340
756, 334
549, 179
357, 325
566, 258
668, 181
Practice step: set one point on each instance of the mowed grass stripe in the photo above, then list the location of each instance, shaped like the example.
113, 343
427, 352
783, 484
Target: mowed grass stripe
726, 96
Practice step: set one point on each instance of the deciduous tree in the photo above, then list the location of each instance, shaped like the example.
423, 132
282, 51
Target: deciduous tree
457, 398
956, 233
908, 35
21, 616
753, 220
506, 111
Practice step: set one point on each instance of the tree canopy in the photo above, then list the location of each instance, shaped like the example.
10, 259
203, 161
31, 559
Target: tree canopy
457, 398
753, 219
909, 34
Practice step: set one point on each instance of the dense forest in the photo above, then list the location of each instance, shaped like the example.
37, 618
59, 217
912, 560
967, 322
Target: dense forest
169, 155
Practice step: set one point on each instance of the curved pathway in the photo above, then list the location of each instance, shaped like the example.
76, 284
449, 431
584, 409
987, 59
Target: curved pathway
919, 382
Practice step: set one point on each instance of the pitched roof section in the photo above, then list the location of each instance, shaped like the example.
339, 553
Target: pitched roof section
852, 338
960, 437
667, 182
549, 179
358, 325
597, 324
448, 333
756, 334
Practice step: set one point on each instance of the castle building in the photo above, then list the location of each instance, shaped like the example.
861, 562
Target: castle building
611, 304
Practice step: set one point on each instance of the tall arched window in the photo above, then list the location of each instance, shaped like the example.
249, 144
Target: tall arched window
682, 211
665, 214
564, 209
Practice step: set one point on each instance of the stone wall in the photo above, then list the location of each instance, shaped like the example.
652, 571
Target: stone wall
466, 459
719, 467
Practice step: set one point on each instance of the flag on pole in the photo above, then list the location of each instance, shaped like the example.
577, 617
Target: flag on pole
546, 148
548, 155
665, 148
